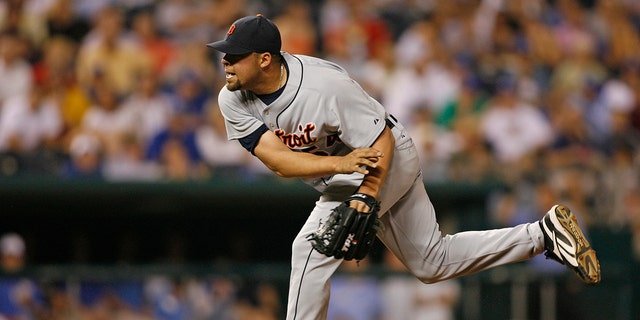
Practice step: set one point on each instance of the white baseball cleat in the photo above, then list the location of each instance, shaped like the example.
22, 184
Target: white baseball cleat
565, 242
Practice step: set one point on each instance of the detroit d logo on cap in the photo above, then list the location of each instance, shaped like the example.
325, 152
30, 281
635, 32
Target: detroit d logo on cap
231, 29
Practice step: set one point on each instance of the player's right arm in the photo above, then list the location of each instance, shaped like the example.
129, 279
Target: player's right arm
287, 163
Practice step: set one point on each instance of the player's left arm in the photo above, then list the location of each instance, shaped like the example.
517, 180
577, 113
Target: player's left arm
373, 181
287, 163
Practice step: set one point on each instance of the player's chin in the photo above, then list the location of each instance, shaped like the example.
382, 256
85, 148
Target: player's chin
233, 86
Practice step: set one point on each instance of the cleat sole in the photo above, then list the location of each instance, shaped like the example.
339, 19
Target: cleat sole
588, 266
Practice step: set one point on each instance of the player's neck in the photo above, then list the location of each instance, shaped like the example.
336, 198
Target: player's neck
274, 81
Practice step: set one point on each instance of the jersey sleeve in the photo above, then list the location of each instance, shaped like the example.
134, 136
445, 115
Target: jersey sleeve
251, 141
239, 122
361, 118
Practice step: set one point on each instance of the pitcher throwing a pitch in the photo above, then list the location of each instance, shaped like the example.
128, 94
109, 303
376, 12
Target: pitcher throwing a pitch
305, 117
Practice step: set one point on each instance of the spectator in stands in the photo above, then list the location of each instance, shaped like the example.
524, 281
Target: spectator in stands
25, 17
128, 163
377, 72
513, 128
630, 74
192, 62
63, 305
177, 164
542, 48
62, 21
617, 100
105, 118
355, 294
16, 77
31, 127
13, 256
188, 21
167, 298
145, 32
88, 10
405, 298
86, 157
222, 297
617, 183
571, 144
116, 300
297, 29
351, 33
141, 116
105, 52
422, 78
20, 297
148, 110
225, 158
397, 287
617, 33
475, 161
176, 149
435, 144
257, 300
579, 66
56, 69
471, 101
188, 98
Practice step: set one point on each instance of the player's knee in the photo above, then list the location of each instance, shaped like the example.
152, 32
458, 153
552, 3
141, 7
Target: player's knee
426, 278
427, 275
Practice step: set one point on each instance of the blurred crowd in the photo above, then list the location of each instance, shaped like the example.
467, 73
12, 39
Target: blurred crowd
357, 294
539, 95
153, 296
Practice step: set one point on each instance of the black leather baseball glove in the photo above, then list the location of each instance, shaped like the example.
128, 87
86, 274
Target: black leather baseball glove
348, 234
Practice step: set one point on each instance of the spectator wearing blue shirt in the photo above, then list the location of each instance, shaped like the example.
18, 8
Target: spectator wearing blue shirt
20, 297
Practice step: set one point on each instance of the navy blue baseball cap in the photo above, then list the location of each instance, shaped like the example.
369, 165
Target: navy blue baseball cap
250, 34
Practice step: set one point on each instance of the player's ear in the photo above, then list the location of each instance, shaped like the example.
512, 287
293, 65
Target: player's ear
265, 59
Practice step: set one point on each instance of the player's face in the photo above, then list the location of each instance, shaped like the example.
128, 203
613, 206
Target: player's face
240, 70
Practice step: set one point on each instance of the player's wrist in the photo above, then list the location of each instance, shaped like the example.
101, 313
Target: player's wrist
368, 200
365, 190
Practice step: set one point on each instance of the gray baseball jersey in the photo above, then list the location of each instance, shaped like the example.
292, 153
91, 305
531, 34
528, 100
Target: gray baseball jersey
323, 111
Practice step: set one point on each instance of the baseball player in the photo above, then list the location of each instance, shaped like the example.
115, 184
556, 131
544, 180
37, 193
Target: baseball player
305, 117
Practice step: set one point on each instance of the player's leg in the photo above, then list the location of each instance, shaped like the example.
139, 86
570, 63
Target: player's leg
412, 233
310, 271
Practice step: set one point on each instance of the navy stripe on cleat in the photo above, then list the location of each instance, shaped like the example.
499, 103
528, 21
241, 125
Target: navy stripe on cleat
565, 242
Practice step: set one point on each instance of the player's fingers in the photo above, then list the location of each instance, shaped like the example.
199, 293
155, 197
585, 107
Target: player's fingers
359, 206
368, 163
367, 153
358, 161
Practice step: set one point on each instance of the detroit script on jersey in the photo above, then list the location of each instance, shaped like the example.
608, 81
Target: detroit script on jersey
304, 140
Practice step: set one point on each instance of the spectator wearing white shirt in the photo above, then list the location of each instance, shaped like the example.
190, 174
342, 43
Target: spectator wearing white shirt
105, 118
29, 121
224, 156
147, 110
31, 129
512, 127
421, 78
16, 76
406, 298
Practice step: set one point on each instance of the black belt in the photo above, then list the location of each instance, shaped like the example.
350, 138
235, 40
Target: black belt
391, 121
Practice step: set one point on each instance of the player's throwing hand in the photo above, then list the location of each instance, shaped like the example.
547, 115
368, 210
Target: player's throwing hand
358, 160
